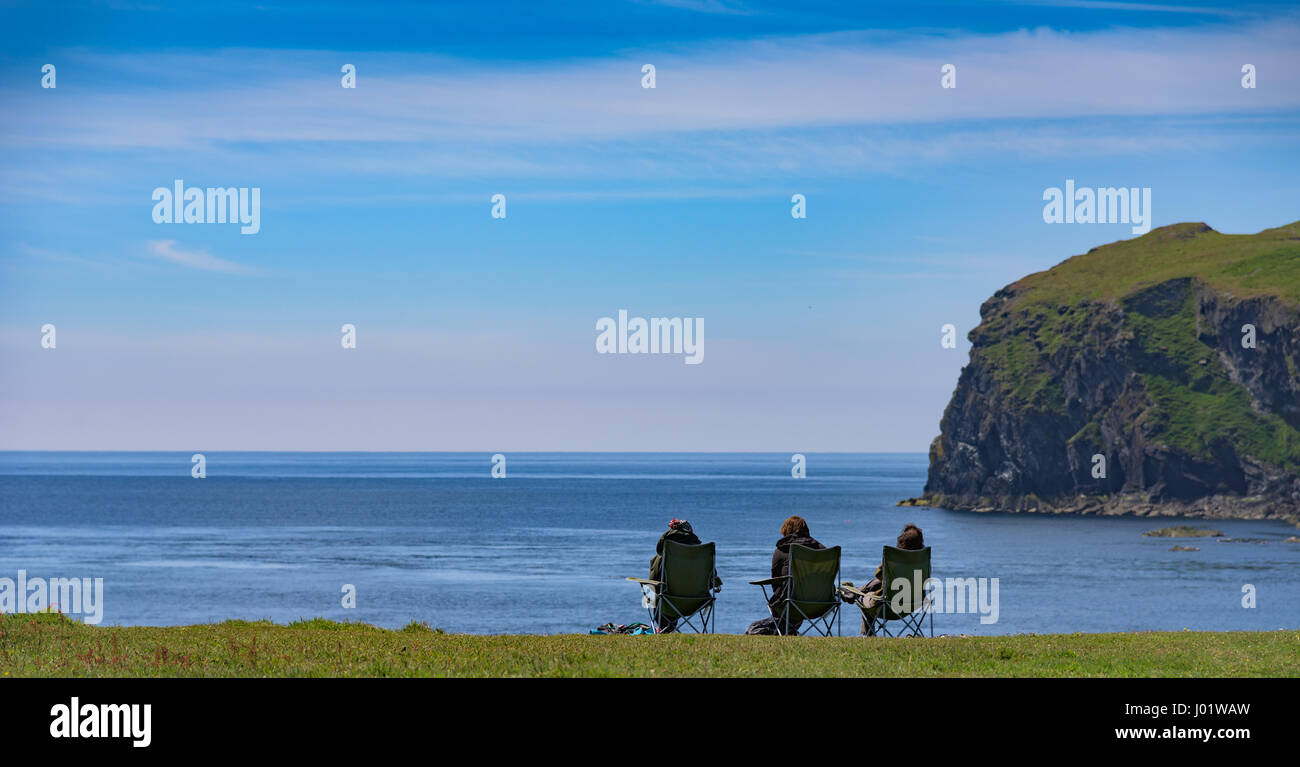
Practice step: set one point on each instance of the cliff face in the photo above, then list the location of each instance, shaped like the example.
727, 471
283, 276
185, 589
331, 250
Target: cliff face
1135, 352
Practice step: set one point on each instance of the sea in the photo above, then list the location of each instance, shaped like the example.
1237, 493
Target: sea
546, 548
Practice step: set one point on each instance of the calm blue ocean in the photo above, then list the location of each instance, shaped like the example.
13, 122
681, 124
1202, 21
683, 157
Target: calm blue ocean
432, 537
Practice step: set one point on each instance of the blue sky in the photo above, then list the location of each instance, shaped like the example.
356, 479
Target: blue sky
478, 334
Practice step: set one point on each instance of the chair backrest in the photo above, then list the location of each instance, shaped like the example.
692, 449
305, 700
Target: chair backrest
814, 578
688, 577
906, 570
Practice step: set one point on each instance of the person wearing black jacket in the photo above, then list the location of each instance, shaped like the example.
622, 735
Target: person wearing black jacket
794, 531
679, 531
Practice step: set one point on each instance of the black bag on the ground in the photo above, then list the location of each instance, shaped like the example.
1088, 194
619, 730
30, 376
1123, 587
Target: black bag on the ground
767, 627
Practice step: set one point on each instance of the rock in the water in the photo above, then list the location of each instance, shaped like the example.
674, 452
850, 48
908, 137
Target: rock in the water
1184, 548
1182, 531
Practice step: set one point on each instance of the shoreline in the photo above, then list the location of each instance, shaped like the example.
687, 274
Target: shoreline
1212, 508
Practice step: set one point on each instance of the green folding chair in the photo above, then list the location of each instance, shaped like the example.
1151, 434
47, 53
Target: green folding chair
810, 591
903, 573
686, 593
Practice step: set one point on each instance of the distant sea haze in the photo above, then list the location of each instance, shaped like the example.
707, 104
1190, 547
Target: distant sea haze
434, 537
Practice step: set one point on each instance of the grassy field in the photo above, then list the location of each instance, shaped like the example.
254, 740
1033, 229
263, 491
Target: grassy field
50, 645
1246, 265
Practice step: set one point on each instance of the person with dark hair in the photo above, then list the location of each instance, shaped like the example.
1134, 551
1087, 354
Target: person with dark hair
910, 539
794, 531
679, 531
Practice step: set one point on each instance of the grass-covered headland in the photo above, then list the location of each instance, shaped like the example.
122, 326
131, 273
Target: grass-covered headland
1152, 376
51, 645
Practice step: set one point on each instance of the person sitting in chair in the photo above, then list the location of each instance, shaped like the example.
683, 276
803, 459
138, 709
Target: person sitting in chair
911, 539
679, 531
794, 531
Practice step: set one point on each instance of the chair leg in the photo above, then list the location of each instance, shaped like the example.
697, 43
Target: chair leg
659, 615
914, 624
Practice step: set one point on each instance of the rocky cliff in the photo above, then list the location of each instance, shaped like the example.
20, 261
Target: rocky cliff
1153, 376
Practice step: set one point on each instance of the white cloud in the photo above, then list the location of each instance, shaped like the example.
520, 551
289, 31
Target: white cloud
842, 79
1108, 5
728, 7
195, 259
726, 116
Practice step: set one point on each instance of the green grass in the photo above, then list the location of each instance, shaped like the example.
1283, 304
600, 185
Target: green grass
50, 645
1245, 265
1050, 311
1197, 403
1056, 317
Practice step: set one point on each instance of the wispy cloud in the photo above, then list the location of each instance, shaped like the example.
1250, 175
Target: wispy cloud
729, 7
842, 79
1111, 5
732, 115
195, 259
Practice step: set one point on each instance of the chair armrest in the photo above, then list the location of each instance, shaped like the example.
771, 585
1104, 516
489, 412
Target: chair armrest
853, 591
768, 581
646, 581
